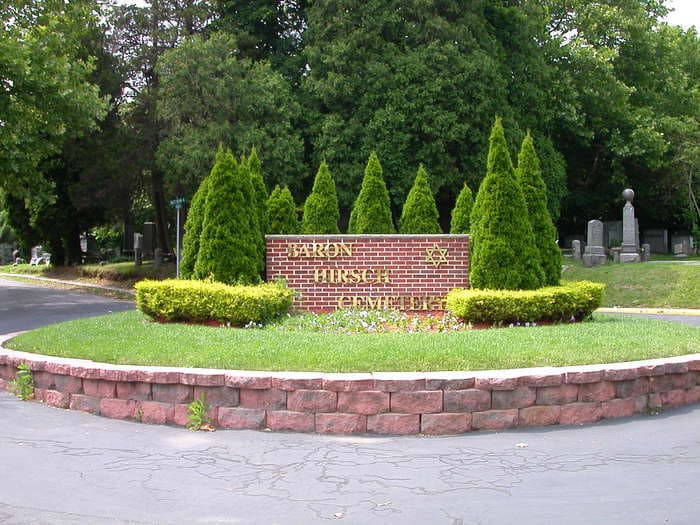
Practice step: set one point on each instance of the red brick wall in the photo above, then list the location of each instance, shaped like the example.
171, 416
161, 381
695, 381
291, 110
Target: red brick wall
369, 271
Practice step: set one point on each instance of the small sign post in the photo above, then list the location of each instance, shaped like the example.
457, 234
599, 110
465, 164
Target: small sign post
178, 204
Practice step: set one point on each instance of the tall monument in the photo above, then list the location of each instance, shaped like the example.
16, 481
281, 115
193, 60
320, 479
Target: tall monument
630, 247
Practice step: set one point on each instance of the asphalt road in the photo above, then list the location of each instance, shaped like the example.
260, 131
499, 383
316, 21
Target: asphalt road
63, 467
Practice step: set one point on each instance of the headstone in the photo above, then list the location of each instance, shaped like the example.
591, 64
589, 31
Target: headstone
128, 236
157, 257
614, 229
682, 244
630, 230
568, 239
138, 249
149, 238
594, 255
576, 247
615, 253
657, 239
646, 252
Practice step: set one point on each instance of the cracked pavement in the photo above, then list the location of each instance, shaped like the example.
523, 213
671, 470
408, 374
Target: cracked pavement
64, 467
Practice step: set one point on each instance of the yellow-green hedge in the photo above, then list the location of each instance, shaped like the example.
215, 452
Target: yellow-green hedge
201, 301
575, 300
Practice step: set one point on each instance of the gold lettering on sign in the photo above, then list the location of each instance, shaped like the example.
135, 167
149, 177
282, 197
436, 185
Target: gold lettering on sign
390, 301
315, 250
352, 276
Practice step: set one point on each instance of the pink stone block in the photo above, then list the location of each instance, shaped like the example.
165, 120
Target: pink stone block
8, 372
557, 395
445, 423
641, 404
654, 402
173, 394
673, 398
157, 413
85, 372
399, 385
99, 388
682, 381
202, 379
541, 380
677, 368
118, 408
181, 415
134, 390
367, 403
621, 374
652, 370
44, 380
269, 399
521, 397
496, 383
619, 408
248, 381
84, 403
312, 401
297, 383
399, 424
692, 395
495, 419
291, 421
337, 423
580, 413
539, 416
68, 384
470, 400
56, 399
634, 388
241, 418
449, 384
56, 367
577, 378
153, 375
659, 384
349, 385
419, 402
596, 391
221, 396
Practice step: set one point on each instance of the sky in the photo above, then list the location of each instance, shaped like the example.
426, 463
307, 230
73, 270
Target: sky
686, 14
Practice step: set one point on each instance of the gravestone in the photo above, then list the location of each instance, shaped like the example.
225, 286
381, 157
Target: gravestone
127, 242
630, 230
576, 247
568, 239
645, 252
149, 238
682, 244
594, 254
614, 231
657, 239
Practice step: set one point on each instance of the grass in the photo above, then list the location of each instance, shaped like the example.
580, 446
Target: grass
655, 285
129, 338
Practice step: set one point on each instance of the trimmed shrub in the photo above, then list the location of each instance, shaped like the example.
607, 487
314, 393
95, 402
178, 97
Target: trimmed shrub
371, 212
201, 301
529, 176
282, 212
193, 228
420, 214
571, 301
321, 212
503, 253
462, 211
254, 169
229, 247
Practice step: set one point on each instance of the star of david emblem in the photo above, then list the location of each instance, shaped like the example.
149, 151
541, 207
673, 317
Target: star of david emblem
436, 255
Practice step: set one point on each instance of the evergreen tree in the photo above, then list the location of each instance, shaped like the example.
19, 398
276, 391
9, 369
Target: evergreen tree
283, 213
503, 252
529, 176
229, 247
372, 212
321, 211
420, 214
254, 168
193, 226
462, 211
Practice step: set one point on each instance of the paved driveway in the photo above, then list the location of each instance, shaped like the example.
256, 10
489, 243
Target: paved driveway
62, 467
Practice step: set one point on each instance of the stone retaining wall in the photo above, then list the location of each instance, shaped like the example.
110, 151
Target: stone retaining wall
379, 403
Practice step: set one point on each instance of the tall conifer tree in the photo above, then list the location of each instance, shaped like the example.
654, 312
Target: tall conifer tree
321, 213
283, 213
193, 226
503, 252
254, 169
529, 176
420, 214
372, 210
462, 211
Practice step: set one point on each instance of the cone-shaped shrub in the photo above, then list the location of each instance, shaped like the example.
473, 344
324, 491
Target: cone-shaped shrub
321, 211
529, 176
462, 211
371, 212
254, 168
503, 253
229, 248
282, 212
193, 228
420, 214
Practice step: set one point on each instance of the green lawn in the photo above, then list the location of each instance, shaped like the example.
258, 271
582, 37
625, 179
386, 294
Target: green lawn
129, 338
655, 284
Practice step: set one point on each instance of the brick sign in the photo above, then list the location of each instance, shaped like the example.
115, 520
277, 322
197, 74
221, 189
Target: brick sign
403, 272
